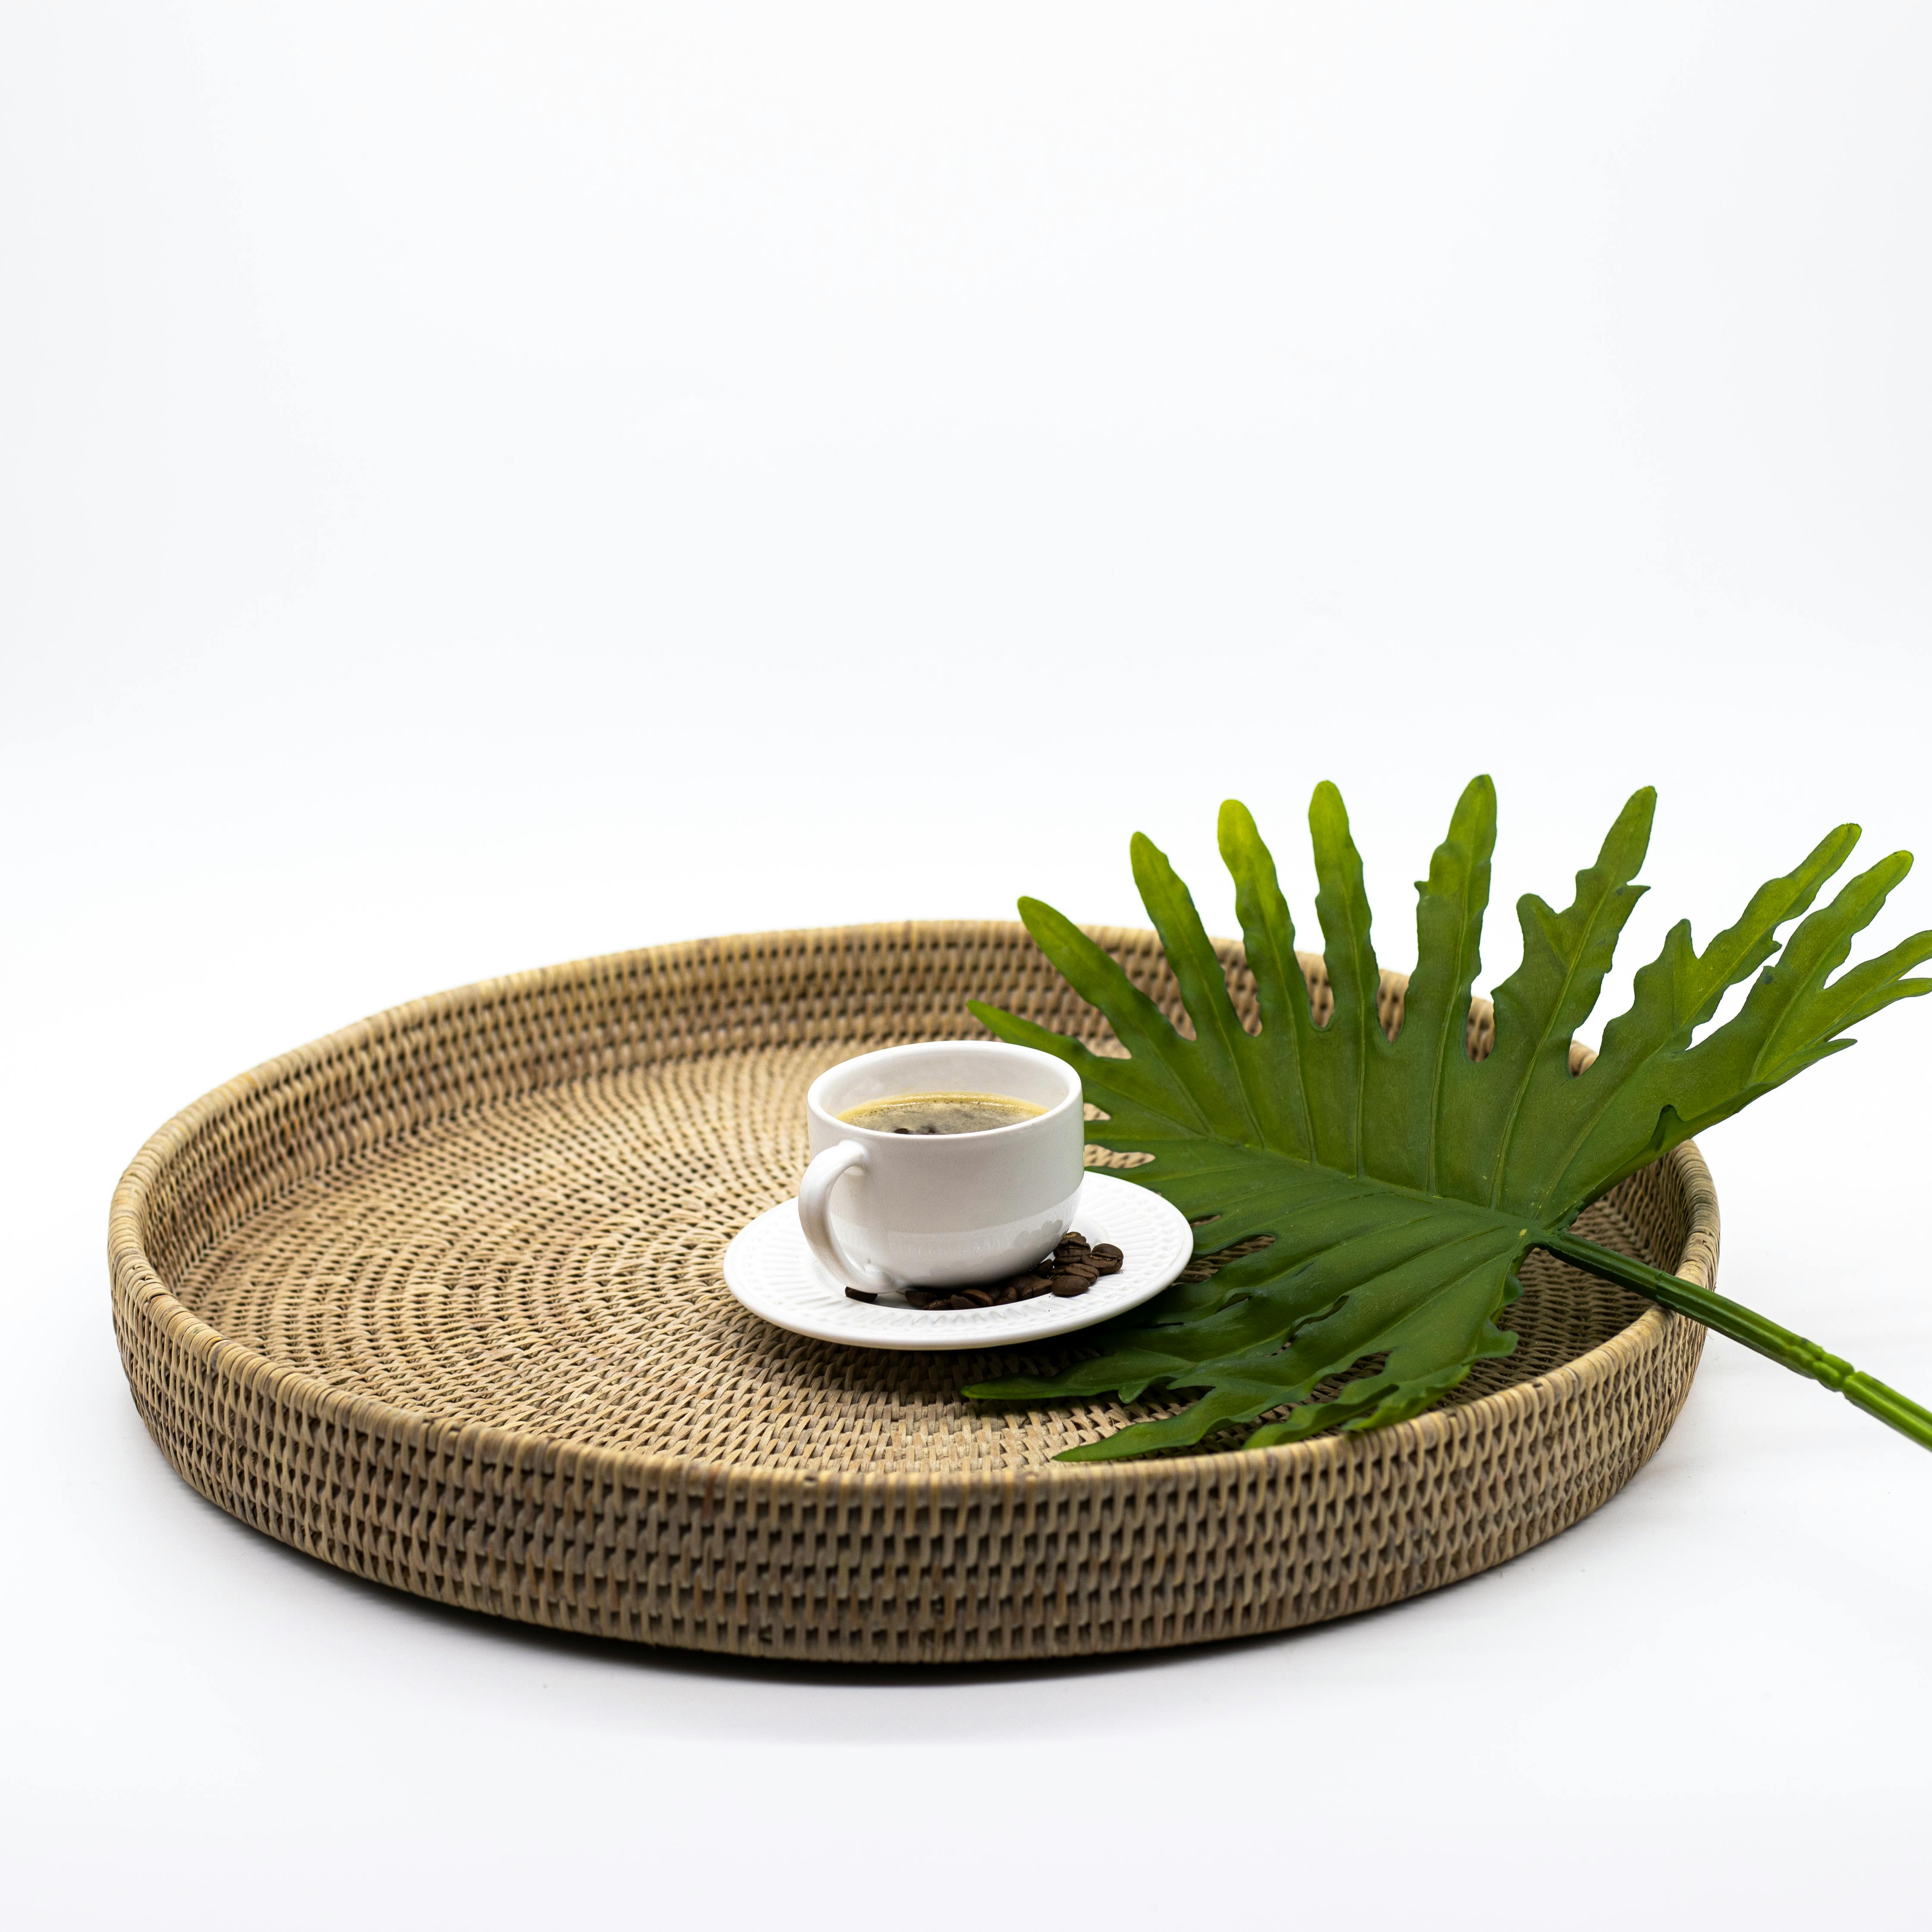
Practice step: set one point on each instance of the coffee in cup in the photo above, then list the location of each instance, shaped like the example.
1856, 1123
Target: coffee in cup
940, 1113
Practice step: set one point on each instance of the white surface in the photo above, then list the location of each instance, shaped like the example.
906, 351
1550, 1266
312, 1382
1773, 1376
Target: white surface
881, 1210
483, 486
769, 1268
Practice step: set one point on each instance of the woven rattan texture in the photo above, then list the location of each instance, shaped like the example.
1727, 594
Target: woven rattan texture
438, 1299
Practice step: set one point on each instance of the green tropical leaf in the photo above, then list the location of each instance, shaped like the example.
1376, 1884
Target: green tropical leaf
1398, 1179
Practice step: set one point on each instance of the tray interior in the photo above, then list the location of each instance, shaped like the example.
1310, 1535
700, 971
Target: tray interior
548, 1261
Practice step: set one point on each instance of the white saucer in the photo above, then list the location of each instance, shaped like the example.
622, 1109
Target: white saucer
769, 1268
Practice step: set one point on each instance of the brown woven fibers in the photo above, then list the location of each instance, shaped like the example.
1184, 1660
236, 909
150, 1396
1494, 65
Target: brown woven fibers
437, 1299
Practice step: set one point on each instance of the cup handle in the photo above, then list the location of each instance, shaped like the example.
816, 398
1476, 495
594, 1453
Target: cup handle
815, 1200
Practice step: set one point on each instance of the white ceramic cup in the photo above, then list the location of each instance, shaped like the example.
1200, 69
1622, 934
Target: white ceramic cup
884, 1210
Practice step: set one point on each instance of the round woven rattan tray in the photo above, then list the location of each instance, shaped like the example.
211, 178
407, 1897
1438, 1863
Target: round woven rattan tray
437, 1299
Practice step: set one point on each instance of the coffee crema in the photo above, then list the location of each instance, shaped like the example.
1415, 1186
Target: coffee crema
940, 1113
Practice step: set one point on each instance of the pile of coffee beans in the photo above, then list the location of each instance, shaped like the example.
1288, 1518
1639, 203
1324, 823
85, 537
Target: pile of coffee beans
1072, 1269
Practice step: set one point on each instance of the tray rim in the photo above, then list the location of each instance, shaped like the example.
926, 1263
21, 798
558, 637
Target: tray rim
133, 1276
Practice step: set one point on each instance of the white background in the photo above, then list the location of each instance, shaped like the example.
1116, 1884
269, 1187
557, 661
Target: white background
487, 485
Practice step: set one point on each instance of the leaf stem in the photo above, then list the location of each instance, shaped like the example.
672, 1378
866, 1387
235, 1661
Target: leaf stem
1756, 1332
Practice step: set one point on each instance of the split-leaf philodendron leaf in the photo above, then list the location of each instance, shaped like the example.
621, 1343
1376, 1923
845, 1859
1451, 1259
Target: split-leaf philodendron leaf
1400, 1182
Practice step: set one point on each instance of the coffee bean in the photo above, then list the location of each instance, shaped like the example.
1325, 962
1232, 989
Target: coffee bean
1072, 1269
901, 1130
1079, 1239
